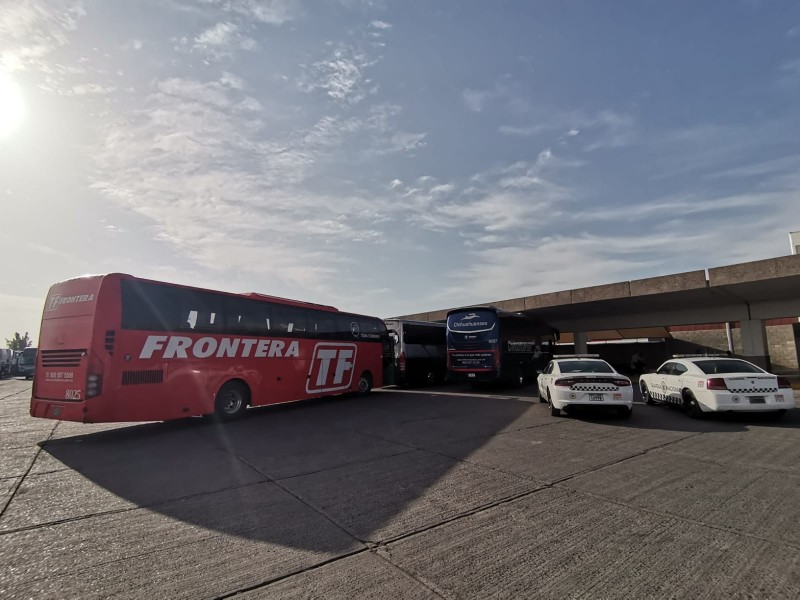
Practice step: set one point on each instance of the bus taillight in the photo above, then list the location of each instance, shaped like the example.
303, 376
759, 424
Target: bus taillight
94, 385
402, 361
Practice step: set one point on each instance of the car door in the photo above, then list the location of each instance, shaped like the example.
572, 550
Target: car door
664, 380
545, 378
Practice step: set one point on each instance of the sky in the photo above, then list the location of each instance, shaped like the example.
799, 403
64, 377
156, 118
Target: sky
392, 157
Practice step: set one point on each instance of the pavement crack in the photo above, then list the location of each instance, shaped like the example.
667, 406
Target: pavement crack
24, 476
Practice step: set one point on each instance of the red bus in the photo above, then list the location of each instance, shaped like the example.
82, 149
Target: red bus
116, 348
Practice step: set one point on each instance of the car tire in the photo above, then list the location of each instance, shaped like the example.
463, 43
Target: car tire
646, 397
693, 407
231, 401
554, 412
625, 412
542, 399
364, 384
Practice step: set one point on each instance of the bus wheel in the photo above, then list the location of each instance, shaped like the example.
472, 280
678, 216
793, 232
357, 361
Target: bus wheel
232, 401
364, 384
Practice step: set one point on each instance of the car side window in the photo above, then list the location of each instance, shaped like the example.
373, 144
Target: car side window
666, 369
548, 369
679, 369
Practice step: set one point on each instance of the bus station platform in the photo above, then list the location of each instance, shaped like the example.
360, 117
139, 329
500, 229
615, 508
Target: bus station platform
440, 492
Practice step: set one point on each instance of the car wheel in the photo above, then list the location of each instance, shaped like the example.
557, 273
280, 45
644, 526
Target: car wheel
232, 400
624, 412
555, 412
693, 407
364, 384
648, 399
542, 399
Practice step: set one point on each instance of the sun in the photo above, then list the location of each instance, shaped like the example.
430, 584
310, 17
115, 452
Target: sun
12, 106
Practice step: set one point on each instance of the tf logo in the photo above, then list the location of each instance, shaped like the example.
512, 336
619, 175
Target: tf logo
331, 367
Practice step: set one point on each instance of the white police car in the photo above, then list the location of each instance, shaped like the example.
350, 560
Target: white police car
705, 384
586, 380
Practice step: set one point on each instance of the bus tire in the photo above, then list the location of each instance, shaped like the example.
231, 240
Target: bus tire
231, 402
364, 383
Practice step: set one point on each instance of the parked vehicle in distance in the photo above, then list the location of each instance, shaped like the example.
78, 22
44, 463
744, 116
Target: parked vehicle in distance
26, 363
706, 384
486, 344
584, 380
420, 351
6, 361
117, 348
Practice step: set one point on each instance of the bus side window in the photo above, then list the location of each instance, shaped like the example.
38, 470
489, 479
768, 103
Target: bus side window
288, 321
246, 317
322, 325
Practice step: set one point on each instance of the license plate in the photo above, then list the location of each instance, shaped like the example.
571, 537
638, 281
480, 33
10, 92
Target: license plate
757, 399
597, 397
470, 374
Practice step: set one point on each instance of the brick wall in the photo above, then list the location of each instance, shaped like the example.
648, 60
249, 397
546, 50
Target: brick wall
780, 341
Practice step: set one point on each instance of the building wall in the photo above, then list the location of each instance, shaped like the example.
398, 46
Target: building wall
713, 339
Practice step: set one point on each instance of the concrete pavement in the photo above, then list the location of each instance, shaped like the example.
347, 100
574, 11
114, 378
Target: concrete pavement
436, 493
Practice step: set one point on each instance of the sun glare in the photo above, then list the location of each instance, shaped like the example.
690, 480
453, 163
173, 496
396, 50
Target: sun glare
12, 106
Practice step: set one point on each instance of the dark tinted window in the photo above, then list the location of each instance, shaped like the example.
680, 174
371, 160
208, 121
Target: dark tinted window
666, 369
157, 307
424, 334
729, 365
679, 369
584, 366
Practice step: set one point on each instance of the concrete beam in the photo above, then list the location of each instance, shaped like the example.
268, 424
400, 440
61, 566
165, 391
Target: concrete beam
772, 268
514, 305
775, 310
547, 300
610, 291
686, 316
680, 282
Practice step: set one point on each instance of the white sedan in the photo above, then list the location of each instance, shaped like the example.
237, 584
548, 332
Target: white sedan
705, 384
576, 381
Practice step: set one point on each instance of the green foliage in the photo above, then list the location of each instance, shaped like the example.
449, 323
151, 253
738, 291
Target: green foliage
19, 342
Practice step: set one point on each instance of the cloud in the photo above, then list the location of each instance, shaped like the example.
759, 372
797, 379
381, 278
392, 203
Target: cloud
380, 25
342, 76
221, 40
521, 131
601, 130
475, 100
31, 30
513, 201
271, 12
95, 89
196, 163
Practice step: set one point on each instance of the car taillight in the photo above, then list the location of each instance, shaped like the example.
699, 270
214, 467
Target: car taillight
566, 382
496, 359
622, 382
402, 361
784, 383
716, 383
94, 385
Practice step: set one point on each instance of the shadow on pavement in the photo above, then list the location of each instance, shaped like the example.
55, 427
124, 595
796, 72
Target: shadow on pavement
308, 475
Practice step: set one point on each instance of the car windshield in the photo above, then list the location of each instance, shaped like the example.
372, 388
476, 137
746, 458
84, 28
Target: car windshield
716, 367
585, 366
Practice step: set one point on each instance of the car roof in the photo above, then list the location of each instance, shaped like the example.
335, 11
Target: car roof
579, 358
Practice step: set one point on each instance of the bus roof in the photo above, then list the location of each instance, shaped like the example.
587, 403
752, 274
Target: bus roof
538, 323
259, 296
252, 295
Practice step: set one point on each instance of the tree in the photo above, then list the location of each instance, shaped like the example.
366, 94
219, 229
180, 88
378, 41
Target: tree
19, 342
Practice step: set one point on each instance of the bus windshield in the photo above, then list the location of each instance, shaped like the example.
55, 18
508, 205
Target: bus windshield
470, 327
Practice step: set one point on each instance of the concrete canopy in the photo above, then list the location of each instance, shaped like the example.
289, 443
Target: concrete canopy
765, 289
